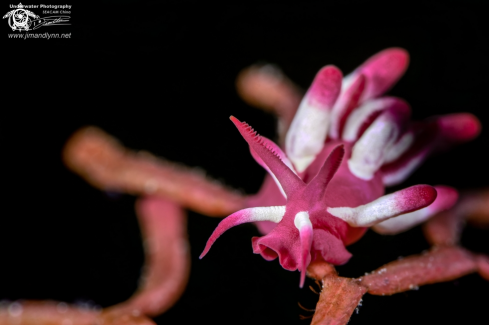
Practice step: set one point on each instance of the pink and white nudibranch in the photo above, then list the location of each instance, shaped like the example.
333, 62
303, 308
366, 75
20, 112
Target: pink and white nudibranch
343, 147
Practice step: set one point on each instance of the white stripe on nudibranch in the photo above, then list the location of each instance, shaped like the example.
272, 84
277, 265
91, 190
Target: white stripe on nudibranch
306, 135
338, 108
304, 225
359, 115
278, 183
348, 80
399, 147
387, 206
270, 144
301, 220
274, 213
369, 151
369, 214
403, 222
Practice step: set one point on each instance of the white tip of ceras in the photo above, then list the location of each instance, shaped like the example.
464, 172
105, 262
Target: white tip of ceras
304, 225
386, 207
305, 138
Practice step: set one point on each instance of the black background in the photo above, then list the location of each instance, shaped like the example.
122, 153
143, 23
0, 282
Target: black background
160, 77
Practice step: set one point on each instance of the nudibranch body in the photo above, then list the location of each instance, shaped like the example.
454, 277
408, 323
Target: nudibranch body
343, 147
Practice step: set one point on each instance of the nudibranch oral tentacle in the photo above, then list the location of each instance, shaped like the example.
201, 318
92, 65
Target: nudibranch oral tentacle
344, 145
273, 214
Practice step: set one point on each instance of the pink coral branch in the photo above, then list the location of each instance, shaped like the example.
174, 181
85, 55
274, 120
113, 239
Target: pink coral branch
445, 228
338, 299
340, 296
167, 258
105, 164
438, 265
162, 283
46, 313
475, 206
60, 313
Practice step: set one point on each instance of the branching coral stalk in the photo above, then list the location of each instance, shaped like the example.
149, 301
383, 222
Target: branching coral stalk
167, 259
341, 296
164, 277
105, 164
47, 313
445, 228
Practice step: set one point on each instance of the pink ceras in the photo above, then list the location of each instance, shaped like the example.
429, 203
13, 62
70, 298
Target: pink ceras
343, 147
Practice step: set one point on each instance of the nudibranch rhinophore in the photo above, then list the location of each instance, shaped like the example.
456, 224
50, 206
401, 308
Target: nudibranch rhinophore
344, 146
